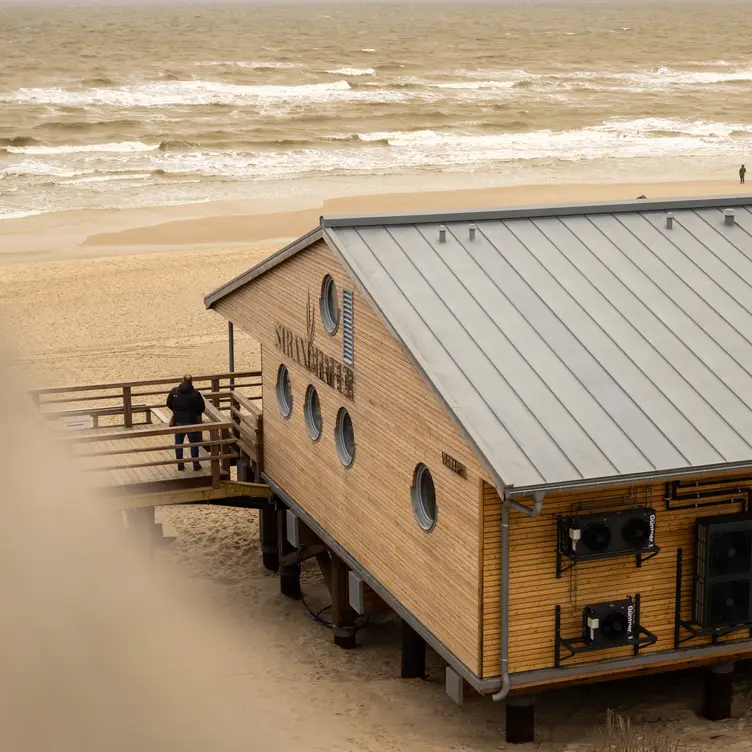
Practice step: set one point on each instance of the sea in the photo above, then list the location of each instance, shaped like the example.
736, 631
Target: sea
145, 104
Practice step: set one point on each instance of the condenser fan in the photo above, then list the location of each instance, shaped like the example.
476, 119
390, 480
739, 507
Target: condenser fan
614, 627
729, 602
636, 533
596, 536
731, 552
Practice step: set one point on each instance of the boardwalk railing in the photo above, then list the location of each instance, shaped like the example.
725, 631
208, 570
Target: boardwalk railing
113, 414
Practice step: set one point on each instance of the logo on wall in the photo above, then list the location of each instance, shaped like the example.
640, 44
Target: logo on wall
310, 319
303, 351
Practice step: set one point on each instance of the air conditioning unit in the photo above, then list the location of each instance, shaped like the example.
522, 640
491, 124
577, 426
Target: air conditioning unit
610, 533
609, 625
723, 577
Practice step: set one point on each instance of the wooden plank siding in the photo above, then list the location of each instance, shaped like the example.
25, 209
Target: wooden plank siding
534, 591
398, 422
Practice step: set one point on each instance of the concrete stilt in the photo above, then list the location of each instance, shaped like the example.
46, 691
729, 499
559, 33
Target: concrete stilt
289, 568
520, 725
343, 616
142, 528
719, 690
455, 686
413, 653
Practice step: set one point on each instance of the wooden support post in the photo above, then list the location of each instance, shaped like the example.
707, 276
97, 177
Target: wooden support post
259, 448
231, 351
289, 572
243, 469
216, 470
269, 537
413, 653
343, 617
520, 726
127, 407
226, 462
215, 389
719, 690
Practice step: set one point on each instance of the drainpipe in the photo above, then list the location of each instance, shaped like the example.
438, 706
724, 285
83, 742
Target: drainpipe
534, 512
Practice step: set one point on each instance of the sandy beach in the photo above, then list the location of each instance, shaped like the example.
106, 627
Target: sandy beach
117, 295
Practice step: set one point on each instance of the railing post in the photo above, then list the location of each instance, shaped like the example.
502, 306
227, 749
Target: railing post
225, 433
127, 407
215, 468
215, 389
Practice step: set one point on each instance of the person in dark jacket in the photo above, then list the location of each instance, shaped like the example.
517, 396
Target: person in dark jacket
742, 173
187, 405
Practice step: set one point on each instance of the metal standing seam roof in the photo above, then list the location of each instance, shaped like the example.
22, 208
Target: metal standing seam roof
573, 345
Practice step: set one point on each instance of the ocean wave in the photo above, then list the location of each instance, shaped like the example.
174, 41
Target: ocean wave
160, 94
18, 141
123, 147
138, 176
380, 152
478, 85
352, 72
252, 64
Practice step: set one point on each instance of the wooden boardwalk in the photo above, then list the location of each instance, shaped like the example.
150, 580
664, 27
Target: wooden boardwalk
134, 462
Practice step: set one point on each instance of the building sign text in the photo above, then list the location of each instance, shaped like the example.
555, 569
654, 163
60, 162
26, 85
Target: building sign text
305, 353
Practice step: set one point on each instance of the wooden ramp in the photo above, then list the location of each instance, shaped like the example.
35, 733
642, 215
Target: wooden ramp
135, 465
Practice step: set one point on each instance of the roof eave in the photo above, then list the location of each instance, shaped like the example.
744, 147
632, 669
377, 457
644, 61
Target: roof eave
264, 266
585, 484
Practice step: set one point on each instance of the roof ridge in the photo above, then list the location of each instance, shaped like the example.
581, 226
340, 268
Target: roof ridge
536, 210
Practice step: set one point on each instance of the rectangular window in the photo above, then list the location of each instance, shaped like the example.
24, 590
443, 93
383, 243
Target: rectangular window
348, 331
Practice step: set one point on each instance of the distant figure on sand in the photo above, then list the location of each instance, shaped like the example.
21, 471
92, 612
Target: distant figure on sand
742, 173
187, 405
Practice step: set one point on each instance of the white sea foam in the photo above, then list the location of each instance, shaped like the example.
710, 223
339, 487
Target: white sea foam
368, 49
353, 72
477, 85
164, 93
252, 64
19, 214
124, 147
107, 178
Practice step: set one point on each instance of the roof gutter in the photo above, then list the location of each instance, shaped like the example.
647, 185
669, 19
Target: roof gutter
504, 610
623, 480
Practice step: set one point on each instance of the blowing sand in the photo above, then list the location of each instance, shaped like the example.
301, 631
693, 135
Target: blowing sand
257, 673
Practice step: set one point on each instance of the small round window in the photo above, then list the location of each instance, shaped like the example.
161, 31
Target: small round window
284, 392
345, 438
329, 305
313, 413
424, 498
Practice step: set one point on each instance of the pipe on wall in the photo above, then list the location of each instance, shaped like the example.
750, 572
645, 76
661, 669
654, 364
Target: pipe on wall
504, 609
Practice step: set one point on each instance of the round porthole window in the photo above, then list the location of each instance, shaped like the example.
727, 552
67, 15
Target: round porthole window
329, 304
424, 498
345, 438
284, 392
313, 413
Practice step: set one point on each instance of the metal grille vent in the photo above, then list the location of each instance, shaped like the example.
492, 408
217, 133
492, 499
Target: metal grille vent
348, 330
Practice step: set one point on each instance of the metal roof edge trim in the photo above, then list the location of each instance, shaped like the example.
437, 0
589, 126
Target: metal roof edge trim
512, 492
264, 266
540, 210
330, 237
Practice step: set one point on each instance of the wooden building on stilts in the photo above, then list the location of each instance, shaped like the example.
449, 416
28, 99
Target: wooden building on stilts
526, 431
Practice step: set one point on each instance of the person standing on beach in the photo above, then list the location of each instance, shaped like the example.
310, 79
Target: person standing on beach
742, 173
187, 405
